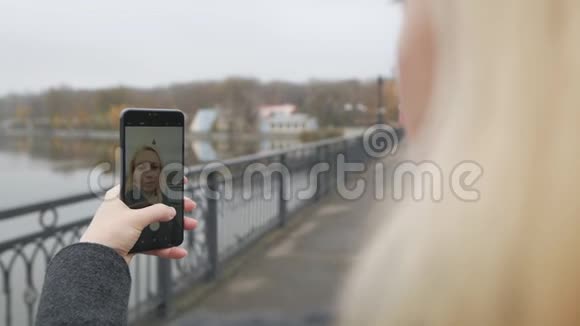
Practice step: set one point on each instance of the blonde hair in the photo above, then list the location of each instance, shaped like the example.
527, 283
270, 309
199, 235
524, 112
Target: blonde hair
507, 96
130, 182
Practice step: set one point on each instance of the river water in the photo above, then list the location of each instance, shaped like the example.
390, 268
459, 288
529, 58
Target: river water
34, 169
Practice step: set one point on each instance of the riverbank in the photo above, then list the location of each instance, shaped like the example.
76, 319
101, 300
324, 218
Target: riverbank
114, 135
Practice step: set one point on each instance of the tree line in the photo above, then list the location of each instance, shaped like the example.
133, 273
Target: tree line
333, 103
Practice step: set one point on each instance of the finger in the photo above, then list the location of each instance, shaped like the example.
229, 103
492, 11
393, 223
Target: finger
152, 214
113, 193
185, 180
188, 204
169, 253
189, 223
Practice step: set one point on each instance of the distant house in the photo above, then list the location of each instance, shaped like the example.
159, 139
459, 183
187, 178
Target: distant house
277, 119
204, 150
284, 109
283, 119
204, 120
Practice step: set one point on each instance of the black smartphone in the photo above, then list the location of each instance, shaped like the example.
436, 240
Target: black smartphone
152, 170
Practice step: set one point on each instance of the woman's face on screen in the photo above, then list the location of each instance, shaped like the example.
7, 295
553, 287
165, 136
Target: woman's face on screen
147, 171
416, 63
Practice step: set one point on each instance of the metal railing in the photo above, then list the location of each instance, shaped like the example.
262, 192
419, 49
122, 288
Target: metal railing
226, 225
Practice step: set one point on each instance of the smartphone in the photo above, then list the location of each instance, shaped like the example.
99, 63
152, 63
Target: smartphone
152, 170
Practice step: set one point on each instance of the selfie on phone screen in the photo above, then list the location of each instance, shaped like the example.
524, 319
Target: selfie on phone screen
150, 177
153, 170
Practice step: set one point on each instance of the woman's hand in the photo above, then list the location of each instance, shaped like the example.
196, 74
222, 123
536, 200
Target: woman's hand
118, 227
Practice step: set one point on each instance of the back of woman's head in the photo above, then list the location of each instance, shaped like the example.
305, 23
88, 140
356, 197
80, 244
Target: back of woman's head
506, 96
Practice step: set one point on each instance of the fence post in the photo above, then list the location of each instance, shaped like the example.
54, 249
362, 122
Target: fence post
319, 177
164, 287
346, 157
211, 228
283, 209
328, 174
333, 174
361, 149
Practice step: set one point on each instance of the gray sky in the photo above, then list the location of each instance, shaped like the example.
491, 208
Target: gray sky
88, 44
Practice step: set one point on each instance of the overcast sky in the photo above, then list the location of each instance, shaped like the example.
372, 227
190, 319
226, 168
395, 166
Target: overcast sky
97, 43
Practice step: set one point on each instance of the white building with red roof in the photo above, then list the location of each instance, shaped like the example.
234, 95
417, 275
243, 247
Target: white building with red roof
284, 119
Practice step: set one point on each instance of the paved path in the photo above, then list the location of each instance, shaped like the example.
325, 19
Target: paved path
297, 280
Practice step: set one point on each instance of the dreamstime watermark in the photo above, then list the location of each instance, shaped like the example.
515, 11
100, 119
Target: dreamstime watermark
352, 171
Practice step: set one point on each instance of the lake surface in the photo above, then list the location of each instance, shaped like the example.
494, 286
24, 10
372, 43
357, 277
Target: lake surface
34, 168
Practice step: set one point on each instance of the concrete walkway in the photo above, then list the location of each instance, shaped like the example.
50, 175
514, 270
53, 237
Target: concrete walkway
297, 279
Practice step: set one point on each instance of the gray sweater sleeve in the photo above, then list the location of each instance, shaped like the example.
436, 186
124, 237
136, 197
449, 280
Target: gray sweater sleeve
85, 284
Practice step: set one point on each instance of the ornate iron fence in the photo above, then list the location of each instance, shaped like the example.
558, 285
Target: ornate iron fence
245, 209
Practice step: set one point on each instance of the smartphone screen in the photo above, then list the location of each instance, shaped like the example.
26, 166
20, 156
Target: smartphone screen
152, 146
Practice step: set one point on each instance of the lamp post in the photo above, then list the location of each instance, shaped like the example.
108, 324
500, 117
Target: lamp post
380, 106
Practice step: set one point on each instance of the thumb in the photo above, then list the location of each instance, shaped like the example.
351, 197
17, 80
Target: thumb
152, 214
